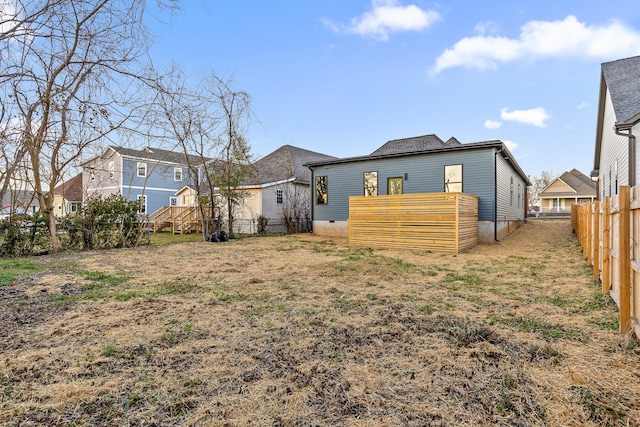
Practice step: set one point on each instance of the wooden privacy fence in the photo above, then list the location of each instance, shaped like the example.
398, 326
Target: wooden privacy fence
609, 232
439, 222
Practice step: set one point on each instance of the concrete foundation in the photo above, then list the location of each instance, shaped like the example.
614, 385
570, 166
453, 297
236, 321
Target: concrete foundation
331, 228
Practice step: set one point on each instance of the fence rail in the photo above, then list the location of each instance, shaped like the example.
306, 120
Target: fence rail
609, 233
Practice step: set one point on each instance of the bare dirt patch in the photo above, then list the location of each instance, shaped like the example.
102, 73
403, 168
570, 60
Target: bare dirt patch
303, 331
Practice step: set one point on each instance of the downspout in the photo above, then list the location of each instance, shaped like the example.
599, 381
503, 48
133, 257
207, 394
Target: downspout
495, 195
632, 149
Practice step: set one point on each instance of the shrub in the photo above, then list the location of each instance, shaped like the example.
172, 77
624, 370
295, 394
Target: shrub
103, 223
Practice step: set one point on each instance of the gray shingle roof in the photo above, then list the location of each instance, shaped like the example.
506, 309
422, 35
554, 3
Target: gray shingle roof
576, 180
159, 154
283, 164
408, 145
623, 80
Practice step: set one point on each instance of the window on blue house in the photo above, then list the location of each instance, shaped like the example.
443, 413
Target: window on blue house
371, 183
394, 185
142, 169
453, 179
142, 201
177, 174
322, 196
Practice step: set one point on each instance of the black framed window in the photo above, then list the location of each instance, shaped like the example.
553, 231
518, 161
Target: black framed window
370, 183
453, 179
322, 195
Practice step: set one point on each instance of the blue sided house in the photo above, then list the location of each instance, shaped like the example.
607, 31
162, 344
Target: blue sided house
151, 175
424, 164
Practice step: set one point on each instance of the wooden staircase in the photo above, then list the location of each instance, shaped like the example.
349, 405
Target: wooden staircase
180, 219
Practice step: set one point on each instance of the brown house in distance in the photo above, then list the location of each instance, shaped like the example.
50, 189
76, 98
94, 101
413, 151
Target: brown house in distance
570, 188
67, 197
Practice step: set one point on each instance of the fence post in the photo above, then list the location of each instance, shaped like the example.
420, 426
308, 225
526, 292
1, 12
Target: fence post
606, 245
589, 232
625, 259
596, 240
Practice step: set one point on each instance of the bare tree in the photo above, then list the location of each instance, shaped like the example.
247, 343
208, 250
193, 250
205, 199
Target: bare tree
190, 120
12, 151
73, 72
540, 182
234, 159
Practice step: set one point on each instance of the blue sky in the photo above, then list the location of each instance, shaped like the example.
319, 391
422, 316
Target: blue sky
344, 77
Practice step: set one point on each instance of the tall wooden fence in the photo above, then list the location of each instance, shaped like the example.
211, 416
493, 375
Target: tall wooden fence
439, 222
609, 232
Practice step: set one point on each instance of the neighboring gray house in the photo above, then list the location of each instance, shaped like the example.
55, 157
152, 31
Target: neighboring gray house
21, 202
151, 175
278, 186
618, 124
424, 164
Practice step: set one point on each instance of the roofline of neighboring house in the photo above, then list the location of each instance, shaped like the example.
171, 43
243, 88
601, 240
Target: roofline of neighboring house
599, 125
622, 126
146, 159
558, 179
267, 184
502, 148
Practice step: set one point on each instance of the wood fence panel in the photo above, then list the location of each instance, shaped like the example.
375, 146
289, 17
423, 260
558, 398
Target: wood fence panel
609, 233
624, 289
606, 245
596, 241
634, 314
614, 231
440, 222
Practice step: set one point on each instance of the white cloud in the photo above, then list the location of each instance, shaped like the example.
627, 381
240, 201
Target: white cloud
486, 27
385, 17
583, 104
568, 38
510, 145
492, 124
534, 116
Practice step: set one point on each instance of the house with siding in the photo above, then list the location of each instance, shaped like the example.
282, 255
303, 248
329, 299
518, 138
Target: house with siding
67, 197
570, 188
20, 202
618, 124
424, 164
278, 187
151, 175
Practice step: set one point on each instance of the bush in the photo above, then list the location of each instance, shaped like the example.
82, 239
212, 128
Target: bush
103, 223
24, 235
263, 223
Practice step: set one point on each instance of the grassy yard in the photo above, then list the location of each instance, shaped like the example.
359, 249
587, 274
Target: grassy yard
303, 331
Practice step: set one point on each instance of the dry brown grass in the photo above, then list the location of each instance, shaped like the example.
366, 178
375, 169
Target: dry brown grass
303, 331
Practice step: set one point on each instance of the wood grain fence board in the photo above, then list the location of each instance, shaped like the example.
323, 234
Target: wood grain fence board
606, 245
439, 222
596, 241
624, 225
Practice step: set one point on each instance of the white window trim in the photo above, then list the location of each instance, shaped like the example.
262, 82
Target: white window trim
144, 203
175, 170
173, 201
138, 169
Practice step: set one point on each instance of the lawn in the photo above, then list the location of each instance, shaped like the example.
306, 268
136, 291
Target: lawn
303, 331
